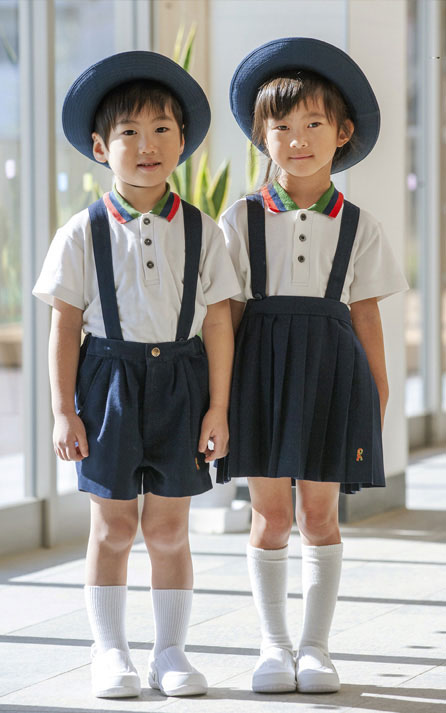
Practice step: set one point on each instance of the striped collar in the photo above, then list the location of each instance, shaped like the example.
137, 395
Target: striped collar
123, 212
277, 200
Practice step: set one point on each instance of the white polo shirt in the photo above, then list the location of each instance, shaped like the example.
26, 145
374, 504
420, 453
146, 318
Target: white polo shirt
301, 244
148, 260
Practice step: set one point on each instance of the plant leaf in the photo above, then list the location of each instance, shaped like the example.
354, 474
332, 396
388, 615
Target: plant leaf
202, 179
186, 55
218, 191
178, 43
252, 166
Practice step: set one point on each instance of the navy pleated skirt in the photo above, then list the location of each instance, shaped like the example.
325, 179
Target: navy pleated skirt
304, 403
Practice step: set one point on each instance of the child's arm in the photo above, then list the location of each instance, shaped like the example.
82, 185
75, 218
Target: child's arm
65, 339
218, 339
237, 309
366, 322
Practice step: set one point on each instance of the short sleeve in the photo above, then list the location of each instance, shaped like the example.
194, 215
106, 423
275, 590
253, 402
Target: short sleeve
217, 275
62, 274
376, 270
239, 257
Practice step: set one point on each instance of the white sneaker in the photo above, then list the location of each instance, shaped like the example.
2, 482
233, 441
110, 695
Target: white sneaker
173, 675
315, 672
275, 671
113, 675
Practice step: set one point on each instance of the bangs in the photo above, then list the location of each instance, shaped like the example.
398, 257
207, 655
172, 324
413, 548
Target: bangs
131, 98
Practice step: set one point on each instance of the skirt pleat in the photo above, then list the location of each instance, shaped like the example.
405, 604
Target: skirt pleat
304, 403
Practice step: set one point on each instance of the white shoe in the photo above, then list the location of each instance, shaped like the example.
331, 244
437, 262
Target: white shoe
173, 675
275, 671
315, 672
113, 675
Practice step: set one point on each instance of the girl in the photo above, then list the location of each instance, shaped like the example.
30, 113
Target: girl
309, 388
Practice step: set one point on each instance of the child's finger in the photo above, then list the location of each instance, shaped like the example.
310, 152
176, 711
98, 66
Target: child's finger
82, 445
203, 442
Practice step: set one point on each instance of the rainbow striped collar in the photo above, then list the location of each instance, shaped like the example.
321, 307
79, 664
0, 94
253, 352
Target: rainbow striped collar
123, 212
277, 200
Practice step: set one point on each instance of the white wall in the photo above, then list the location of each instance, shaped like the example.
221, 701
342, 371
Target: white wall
377, 41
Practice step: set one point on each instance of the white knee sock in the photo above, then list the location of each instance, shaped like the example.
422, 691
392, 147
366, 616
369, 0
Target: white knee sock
106, 613
321, 572
268, 572
171, 611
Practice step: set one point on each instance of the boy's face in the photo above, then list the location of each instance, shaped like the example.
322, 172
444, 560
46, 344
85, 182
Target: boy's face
143, 149
304, 142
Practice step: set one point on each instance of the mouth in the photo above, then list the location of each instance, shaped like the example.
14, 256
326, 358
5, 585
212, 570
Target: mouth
149, 165
301, 158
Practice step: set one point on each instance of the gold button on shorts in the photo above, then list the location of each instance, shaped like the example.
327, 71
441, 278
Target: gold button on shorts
155, 351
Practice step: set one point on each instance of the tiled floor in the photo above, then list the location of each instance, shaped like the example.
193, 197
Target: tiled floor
388, 639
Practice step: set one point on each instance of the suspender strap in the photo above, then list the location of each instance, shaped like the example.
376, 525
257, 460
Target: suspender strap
192, 241
257, 248
100, 231
349, 223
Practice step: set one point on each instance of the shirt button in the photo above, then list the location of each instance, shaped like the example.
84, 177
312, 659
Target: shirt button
301, 258
146, 221
303, 216
156, 351
148, 241
150, 264
302, 238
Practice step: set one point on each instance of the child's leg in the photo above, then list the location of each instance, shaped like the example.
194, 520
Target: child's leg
272, 519
317, 517
112, 531
164, 523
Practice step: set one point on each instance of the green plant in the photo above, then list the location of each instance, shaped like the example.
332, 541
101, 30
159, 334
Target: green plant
206, 192
252, 167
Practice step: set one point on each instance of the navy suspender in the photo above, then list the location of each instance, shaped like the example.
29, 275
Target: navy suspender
100, 231
347, 232
257, 248
192, 241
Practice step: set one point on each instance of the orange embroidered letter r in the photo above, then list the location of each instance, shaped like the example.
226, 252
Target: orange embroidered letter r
359, 453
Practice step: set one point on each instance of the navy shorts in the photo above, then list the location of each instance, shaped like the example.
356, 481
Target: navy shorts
142, 406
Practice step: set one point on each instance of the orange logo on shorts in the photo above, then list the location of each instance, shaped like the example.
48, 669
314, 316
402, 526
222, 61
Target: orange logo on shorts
196, 463
359, 453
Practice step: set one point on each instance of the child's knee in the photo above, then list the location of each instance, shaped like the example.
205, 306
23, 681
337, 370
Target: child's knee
116, 533
271, 527
170, 534
315, 522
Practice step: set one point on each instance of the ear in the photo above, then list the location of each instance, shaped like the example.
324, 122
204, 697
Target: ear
100, 151
182, 142
346, 133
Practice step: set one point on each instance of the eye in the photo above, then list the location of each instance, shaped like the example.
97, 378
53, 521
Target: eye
314, 124
129, 132
162, 129
281, 127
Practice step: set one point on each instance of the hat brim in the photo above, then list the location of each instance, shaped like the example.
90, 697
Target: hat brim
304, 53
86, 93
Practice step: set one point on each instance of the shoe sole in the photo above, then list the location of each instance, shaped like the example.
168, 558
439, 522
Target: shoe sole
273, 683
321, 687
184, 690
117, 692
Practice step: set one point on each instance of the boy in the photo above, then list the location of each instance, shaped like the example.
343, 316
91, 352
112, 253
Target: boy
141, 273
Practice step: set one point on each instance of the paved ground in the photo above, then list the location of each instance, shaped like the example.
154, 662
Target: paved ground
388, 639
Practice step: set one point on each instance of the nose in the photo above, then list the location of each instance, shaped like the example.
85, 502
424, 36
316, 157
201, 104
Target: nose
299, 142
147, 144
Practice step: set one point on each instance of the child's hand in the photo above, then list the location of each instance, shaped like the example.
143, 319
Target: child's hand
214, 428
69, 437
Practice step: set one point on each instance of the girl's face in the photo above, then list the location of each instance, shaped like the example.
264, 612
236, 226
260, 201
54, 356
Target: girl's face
304, 142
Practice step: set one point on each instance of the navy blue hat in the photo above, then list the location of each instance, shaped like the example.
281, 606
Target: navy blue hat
87, 92
303, 53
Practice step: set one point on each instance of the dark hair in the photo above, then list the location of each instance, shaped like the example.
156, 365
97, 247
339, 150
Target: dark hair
130, 98
280, 95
